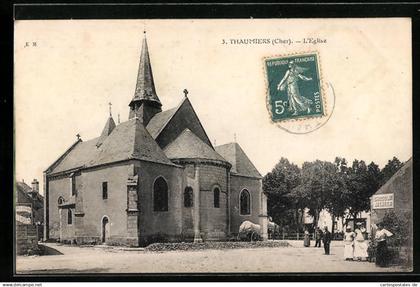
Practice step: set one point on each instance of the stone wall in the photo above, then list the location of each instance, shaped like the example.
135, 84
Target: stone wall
26, 239
95, 208
90, 208
160, 225
58, 187
238, 183
213, 220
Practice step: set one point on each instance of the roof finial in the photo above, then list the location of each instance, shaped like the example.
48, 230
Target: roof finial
110, 109
185, 93
118, 118
78, 136
214, 142
234, 137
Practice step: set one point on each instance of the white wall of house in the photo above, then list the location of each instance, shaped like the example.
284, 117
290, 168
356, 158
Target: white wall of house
326, 220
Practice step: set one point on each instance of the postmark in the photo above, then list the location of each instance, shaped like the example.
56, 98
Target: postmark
294, 87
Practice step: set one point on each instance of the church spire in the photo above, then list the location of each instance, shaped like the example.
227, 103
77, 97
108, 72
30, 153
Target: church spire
145, 102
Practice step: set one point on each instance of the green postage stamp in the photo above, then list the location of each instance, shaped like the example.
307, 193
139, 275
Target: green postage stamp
294, 87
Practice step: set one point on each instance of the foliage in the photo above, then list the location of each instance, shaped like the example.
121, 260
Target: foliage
362, 182
190, 246
337, 203
390, 169
334, 186
320, 180
277, 185
399, 224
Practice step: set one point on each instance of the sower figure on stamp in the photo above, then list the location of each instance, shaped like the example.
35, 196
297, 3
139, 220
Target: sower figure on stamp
318, 237
297, 103
326, 239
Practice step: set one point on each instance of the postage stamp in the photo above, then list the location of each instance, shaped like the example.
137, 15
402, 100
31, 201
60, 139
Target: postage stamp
294, 87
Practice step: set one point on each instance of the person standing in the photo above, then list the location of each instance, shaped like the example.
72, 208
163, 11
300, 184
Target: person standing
318, 237
381, 236
360, 245
306, 238
348, 243
326, 239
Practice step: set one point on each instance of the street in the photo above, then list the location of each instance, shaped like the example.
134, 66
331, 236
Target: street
295, 258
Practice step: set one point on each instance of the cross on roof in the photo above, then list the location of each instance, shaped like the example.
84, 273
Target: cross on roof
110, 109
78, 136
185, 92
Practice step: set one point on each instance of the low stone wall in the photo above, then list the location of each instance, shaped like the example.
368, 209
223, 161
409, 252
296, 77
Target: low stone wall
26, 239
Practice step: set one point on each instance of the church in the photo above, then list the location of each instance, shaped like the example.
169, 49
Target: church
153, 178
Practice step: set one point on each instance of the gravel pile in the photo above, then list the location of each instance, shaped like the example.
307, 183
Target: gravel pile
187, 246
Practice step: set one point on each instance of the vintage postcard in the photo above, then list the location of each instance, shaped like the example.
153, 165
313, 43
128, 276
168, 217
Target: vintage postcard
203, 146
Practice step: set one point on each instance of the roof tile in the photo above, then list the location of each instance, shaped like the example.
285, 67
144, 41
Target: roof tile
188, 145
240, 162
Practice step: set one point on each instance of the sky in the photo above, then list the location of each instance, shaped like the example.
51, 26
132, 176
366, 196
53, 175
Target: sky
64, 83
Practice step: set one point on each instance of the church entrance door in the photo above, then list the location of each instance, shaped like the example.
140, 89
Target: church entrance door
105, 229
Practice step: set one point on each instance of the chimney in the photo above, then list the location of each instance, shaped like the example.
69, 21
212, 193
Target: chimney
35, 185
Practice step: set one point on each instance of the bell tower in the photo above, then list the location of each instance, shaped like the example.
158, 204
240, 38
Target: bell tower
145, 103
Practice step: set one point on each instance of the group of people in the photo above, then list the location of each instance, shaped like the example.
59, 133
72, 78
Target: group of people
324, 236
356, 243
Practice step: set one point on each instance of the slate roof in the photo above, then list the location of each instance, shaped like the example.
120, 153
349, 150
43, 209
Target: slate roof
189, 146
109, 127
240, 162
128, 140
78, 156
159, 121
145, 86
24, 193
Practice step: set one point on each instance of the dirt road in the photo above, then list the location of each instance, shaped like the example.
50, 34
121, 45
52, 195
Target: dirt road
283, 259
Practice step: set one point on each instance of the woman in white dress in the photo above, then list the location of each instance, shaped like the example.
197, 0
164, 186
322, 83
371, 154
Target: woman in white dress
360, 244
348, 243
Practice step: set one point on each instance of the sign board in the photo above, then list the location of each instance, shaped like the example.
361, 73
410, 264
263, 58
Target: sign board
23, 209
383, 201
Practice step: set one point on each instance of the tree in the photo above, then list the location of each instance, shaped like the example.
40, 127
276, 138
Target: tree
320, 179
277, 185
375, 177
362, 182
389, 169
337, 203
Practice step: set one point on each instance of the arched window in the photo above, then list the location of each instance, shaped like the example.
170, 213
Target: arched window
60, 200
69, 217
245, 202
188, 197
160, 195
216, 194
